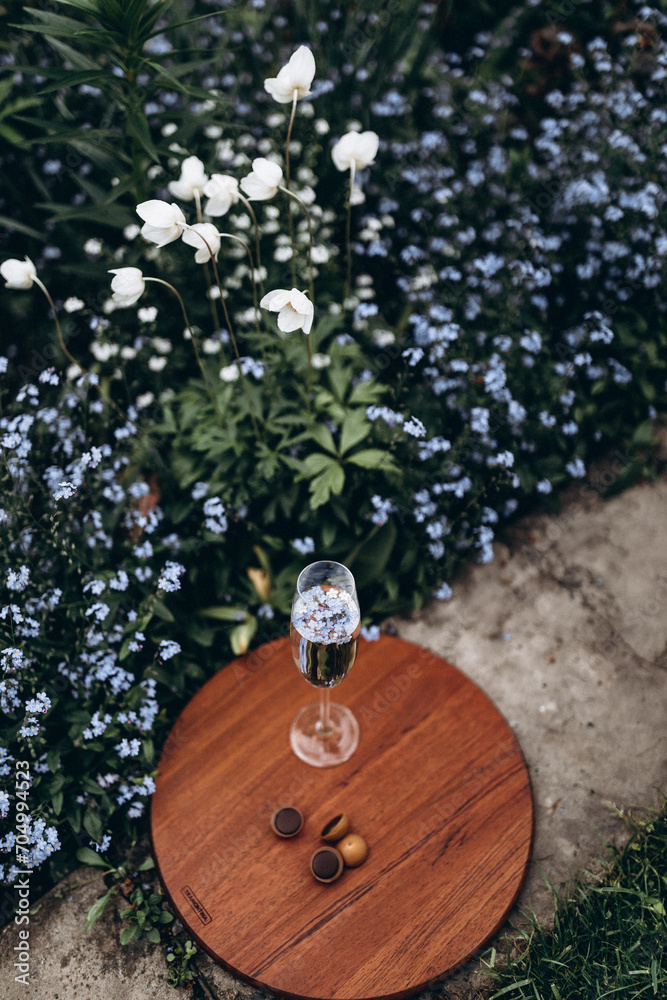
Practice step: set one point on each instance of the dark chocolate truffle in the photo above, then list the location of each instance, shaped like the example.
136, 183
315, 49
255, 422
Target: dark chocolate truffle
287, 822
326, 864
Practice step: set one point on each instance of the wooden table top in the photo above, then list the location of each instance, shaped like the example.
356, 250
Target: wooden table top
438, 787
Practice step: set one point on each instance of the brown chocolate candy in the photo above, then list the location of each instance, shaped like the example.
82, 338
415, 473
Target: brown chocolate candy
326, 864
336, 828
287, 822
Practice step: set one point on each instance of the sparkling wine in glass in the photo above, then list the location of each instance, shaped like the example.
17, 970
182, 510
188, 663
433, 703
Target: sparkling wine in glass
324, 632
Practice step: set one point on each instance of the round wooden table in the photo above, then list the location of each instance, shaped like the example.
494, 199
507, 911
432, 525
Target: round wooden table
438, 787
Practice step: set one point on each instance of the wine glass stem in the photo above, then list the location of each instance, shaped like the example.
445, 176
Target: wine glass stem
324, 724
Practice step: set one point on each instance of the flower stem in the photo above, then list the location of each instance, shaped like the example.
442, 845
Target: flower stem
233, 340
310, 237
63, 346
348, 240
309, 387
160, 281
207, 274
230, 236
254, 222
287, 180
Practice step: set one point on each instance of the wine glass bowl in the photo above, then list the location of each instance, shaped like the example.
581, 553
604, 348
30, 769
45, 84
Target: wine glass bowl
325, 626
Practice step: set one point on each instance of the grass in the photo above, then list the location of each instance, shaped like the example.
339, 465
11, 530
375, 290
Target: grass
609, 937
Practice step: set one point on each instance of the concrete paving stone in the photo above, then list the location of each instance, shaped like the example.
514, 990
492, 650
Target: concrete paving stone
566, 631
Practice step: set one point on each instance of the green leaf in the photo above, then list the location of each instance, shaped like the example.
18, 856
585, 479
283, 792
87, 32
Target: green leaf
373, 458
241, 636
367, 392
324, 438
93, 824
96, 910
53, 759
20, 104
56, 783
146, 864
355, 428
162, 611
644, 436
66, 78
69, 54
628, 476
510, 989
10, 224
14, 138
315, 463
153, 935
369, 560
89, 6
339, 379
57, 25
128, 933
73, 817
89, 857
330, 481
224, 613
328, 535
124, 650
181, 24
57, 802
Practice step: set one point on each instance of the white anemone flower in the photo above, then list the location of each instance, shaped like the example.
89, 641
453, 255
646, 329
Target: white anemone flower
163, 223
355, 150
222, 192
192, 181
206, 238
127, 286
18, 273
295, 78
295, 310
264, 181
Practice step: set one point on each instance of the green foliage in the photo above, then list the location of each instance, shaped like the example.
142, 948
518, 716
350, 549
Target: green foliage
610, 930
105, 44
145, 915
179, 957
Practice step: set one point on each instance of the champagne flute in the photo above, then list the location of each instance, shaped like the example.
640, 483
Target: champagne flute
324, 632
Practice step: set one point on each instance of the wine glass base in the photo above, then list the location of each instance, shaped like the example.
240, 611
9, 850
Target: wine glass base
324, 749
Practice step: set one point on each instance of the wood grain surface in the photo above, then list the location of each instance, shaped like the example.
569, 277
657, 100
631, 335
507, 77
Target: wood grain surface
438, 788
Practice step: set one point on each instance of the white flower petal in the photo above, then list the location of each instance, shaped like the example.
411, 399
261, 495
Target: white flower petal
269, 171
264, 180
222, 192
159, 234
359, 148
127, 285
308, 317
18, 274
300, 302
289, 319
276, 299
296, 76
193, 178
255, 189
302, 66
160, 214
206, 240
278, 91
